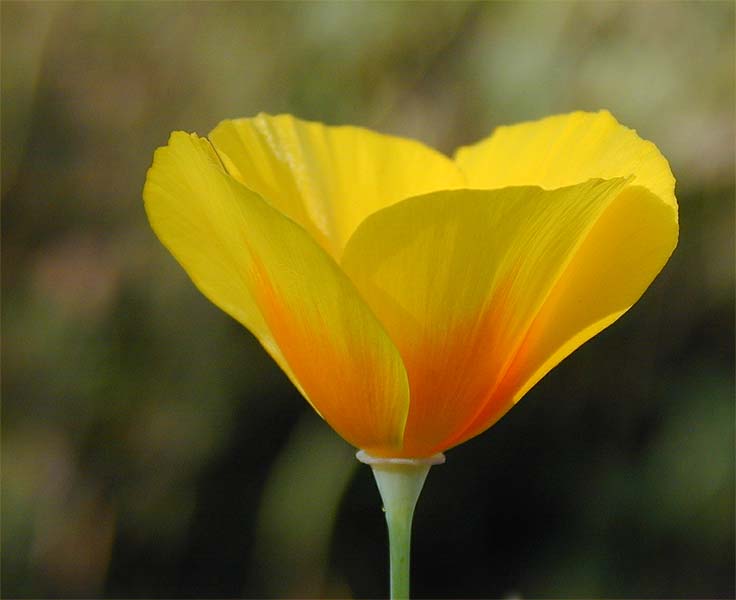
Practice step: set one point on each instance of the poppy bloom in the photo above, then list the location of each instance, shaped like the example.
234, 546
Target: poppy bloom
414, 298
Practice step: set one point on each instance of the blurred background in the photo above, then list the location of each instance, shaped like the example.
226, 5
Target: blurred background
150, 448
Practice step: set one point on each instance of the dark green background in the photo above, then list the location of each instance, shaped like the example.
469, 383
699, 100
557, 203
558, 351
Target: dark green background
150, 448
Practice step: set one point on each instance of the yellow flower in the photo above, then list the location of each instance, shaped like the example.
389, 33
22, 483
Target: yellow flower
413, 298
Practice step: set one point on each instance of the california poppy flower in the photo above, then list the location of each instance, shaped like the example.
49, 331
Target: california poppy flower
414, 298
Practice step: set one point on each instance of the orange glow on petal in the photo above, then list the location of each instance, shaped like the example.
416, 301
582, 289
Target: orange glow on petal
456, 278
332, 374
454, 371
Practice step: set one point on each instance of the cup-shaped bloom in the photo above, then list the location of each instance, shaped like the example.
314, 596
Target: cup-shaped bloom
413, 298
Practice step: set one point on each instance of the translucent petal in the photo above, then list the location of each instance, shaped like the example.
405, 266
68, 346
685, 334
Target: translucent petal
458, 278
564, 150
619, 258
328, 179
266, 271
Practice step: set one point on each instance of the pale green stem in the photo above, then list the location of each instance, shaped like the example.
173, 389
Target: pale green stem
400, 481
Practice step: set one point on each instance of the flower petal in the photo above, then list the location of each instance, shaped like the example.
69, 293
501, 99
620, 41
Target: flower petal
564, 150
457, 278
619, 258
266, 272
328, 179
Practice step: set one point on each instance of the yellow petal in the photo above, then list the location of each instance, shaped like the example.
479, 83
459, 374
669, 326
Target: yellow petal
564, 150
328, 179
619, 258
265, 271
457, 278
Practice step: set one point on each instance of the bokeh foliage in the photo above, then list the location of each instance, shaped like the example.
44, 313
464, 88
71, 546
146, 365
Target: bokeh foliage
151, 448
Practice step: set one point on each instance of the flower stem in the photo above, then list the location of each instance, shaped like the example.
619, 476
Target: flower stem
400, 481
399, 538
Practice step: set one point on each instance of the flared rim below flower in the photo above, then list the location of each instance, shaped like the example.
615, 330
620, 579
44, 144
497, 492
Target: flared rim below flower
364, 457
